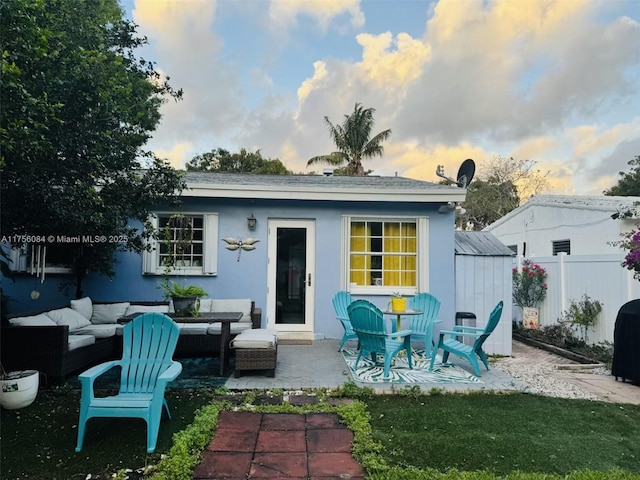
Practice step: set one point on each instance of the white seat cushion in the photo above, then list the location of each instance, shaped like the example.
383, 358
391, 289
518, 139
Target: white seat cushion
235, 328
193, 328
108, 312
40, 320
67, 316
258, 338
79, 341
260, 331
105, 330
231, 305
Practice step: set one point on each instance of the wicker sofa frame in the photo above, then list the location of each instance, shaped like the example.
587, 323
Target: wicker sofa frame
46, 348
256, 359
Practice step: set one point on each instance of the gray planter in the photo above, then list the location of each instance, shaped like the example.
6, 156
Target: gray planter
186, 306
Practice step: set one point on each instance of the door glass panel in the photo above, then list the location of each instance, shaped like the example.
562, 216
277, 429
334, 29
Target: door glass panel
290, 275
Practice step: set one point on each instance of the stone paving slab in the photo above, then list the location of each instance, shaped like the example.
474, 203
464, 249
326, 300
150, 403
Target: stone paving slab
288, 446
320, 365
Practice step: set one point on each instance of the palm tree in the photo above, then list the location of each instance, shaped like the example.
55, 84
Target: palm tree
354, 142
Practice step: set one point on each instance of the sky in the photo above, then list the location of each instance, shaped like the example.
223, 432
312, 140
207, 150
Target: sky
553, 81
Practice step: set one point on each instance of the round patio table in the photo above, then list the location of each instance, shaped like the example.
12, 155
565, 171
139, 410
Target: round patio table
399, 315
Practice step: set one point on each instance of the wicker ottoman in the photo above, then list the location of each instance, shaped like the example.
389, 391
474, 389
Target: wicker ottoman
256, 349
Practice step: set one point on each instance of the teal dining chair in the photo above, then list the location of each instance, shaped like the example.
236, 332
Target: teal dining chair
449, 344
368, 324
148, 343
421, 326
341, 301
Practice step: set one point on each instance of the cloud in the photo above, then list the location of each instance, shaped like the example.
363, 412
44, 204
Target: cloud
555, 81
284, 13
391, 68
178, 155
181, 34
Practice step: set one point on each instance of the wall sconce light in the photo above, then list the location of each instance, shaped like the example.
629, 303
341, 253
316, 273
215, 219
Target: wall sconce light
251, 222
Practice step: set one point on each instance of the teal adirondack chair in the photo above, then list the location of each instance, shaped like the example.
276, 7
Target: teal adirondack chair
421, 326
341, 301
469, 352
367, 322
148, 343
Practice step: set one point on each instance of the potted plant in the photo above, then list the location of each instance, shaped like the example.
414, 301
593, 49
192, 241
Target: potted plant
398, 302
185, 298
18, 389
529, 290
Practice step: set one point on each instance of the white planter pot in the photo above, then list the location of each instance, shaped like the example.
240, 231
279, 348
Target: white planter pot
530, 317
19, 389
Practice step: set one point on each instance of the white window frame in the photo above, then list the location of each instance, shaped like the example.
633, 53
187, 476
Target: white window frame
422, 256
150, 259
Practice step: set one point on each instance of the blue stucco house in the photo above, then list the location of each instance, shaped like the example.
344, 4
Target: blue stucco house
317, 234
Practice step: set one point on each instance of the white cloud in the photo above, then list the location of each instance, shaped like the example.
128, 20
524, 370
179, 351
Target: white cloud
538, 79
284, 13
178, 155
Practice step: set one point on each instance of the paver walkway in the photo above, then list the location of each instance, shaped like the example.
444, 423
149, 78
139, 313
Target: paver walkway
279, 445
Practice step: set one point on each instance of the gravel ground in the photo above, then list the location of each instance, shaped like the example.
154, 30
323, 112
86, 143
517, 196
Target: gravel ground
543, 379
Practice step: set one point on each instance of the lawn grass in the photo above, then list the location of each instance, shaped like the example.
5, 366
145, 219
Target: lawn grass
38, 442
495, 433
505, 433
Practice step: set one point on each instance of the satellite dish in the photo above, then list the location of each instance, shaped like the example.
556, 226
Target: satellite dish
465, 173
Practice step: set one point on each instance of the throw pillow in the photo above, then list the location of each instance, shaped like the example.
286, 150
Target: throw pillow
67, 316
83, 306
233, 305
108, 312
147, 308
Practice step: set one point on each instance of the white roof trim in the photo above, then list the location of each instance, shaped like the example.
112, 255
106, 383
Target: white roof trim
333, 193
601, 203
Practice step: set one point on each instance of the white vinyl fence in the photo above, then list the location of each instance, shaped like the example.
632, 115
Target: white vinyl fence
601, 277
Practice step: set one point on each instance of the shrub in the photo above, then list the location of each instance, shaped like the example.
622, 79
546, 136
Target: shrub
529, 284
583, 314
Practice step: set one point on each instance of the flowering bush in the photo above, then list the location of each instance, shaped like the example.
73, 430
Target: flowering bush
529, 284
631, 261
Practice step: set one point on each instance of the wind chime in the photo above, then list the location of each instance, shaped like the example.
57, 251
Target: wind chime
38, 263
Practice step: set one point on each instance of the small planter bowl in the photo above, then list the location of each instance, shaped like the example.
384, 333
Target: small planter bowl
18, 389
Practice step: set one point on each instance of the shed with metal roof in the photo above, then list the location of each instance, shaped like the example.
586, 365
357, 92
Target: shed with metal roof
483, 267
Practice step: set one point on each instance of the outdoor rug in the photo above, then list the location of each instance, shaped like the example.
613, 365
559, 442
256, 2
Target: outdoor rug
368, 372
196, 373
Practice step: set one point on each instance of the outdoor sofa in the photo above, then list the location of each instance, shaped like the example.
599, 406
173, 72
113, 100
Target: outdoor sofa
67, 340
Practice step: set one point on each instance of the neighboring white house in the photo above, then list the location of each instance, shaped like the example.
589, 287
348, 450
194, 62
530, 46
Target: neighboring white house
573, 237
577, 225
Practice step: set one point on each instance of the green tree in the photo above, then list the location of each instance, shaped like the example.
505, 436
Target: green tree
353, 141
501, 186
77, 108
221, 160
486, 202
629, 183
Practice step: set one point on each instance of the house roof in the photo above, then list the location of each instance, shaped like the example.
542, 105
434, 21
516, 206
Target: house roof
600, 203
319, 187
480, 244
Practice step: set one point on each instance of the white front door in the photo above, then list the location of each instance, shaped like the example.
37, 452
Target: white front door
291, 278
